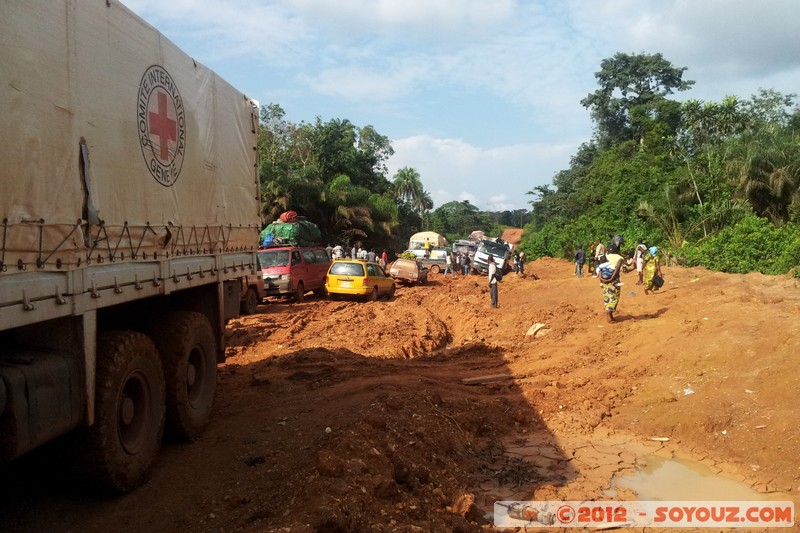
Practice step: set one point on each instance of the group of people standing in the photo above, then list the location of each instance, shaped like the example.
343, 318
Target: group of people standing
357, 252
457, 261
607, 262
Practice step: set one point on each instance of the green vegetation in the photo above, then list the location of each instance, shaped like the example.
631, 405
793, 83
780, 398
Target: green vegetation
714, 184
334, 174
711, 183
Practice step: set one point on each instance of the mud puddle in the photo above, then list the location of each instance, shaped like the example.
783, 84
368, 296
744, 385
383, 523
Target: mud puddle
661, 478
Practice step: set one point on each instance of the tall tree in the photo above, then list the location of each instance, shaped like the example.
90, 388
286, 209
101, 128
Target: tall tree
408, 189
408, 185
632, 95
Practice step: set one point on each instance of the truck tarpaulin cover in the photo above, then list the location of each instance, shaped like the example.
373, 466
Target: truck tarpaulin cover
418, 239
115, 143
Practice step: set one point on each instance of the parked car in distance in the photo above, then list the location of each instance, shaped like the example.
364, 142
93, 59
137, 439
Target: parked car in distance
294, 270
436, 262
408, 271
355, 277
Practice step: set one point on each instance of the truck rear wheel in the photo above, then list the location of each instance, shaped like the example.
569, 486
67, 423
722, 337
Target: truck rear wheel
186, 343
119, 450
249, 304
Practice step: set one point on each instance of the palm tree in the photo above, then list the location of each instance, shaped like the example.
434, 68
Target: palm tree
423, 206
351, 217
769, 173
408, 186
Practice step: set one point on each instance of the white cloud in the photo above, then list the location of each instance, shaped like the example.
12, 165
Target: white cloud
482, 97
430, 20
729, 46
490, 178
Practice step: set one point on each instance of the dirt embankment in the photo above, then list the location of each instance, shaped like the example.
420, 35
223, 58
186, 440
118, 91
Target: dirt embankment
352, 416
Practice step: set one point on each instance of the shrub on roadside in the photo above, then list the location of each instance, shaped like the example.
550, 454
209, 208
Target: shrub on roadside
753, 244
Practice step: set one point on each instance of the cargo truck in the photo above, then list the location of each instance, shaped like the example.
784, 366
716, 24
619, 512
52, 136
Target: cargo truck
498, 249
129, 204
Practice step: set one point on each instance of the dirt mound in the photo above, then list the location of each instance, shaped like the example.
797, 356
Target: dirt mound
355, 416
512, 235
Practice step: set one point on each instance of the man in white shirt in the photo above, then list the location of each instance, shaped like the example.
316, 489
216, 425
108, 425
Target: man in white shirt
493, 281
638, 259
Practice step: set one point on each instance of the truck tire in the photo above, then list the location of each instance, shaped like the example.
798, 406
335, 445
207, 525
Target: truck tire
249, 304
117, 453
435, 269
186, 343
299, 292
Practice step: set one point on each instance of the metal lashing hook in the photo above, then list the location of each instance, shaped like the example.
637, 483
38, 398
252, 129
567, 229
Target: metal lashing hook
26, 303
59, 298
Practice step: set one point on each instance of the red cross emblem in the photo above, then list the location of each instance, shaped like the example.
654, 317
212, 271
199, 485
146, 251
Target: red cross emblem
161, 125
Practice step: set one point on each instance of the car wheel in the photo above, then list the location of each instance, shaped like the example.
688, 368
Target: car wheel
391, 292
333, 297
375, 294
300, 292
435, 269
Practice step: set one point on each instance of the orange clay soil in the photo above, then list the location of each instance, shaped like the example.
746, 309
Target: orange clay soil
352, 416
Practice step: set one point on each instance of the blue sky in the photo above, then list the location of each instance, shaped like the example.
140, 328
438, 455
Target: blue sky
481, 97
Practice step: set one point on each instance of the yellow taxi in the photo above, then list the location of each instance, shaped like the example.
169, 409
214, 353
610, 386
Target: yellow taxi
354, 277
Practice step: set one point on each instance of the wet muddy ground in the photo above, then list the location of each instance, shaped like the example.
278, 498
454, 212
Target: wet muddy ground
355, 416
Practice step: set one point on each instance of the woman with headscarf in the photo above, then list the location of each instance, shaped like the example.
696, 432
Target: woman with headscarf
609, 276
652, 266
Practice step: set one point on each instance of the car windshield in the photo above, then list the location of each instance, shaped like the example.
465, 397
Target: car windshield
347, 269
493, 248
273, 258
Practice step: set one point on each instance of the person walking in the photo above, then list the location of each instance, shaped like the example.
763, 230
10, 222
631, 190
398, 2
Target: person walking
493, 282
580, 259
599, 255
638, 260
448, 266
609, 276
652, 267
521, 263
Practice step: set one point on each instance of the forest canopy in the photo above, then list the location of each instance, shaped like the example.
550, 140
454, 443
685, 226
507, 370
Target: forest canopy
713, 183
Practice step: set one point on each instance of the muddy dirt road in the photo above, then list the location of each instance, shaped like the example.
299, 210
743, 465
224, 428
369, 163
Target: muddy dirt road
353, 416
